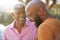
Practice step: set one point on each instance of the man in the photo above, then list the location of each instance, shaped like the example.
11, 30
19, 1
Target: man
31, 11
20, 29
49, 29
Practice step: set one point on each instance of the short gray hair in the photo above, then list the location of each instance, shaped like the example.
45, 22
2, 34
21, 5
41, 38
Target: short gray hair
18, 5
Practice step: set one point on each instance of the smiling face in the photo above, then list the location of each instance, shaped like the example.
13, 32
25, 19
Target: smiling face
19, 14
31, 15
20, 17
30, 12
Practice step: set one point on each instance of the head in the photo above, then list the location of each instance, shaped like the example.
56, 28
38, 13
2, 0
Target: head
35, 8
19, 14
31, 11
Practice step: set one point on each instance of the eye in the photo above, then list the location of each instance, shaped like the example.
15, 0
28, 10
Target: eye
29, 14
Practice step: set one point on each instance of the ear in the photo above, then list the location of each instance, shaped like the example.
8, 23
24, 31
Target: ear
40, 11
12, 14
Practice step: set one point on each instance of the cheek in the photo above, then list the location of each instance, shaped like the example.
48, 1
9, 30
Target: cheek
22, 18
16, 18
32, 16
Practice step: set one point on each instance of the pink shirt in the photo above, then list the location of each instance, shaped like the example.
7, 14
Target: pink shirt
28, 32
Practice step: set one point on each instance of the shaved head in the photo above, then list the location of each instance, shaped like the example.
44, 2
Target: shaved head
32, 6
37, 7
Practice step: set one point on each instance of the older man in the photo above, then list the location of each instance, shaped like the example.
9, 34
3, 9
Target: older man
20, 29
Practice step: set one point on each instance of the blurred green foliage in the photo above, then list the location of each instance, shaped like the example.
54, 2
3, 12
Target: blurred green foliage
55, 11
5, 18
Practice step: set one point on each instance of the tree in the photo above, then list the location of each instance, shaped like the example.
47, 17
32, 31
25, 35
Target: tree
47, 3
54, 2
27, 1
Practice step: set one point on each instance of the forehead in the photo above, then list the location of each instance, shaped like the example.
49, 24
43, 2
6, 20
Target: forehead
30, 9
19, 10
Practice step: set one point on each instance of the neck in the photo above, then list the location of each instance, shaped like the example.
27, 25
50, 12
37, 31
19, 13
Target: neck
18, 27
45, 16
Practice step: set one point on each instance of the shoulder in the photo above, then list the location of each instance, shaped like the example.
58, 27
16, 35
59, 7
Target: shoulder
49, 24
7, 28
51, 21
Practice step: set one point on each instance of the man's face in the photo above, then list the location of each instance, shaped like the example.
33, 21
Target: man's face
31, 14
20, 16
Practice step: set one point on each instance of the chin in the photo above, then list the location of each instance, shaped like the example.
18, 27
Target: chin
21, 22
31, 20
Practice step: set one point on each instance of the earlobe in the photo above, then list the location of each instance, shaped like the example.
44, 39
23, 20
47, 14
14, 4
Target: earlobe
12, 14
